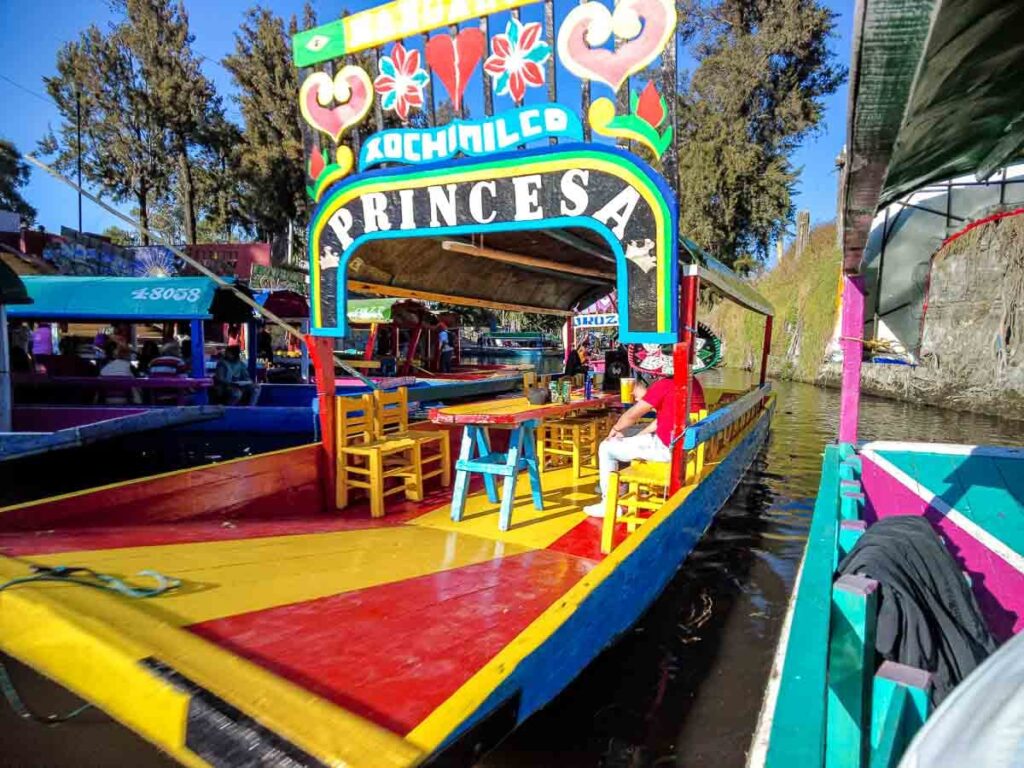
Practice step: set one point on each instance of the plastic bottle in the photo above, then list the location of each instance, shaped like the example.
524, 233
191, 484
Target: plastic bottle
588, 386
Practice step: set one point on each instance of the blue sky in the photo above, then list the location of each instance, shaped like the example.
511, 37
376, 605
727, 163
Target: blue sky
42, 27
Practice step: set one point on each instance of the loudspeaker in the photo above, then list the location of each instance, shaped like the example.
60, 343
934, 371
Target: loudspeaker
616, 366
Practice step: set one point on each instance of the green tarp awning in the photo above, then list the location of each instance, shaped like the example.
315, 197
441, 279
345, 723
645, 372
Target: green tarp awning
371, 310
935, 92
117, 298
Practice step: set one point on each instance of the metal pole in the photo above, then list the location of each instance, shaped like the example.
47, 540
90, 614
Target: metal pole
5, 374
78, 153
881, 266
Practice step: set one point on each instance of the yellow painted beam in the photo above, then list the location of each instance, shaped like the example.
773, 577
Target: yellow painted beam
358, 286
92, 642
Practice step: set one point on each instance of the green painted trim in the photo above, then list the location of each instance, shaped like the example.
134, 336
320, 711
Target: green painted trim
897, 712
851, 667
333, 32
798, 726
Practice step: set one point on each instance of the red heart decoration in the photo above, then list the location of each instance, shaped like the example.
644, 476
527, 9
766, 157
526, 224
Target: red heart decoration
454, 59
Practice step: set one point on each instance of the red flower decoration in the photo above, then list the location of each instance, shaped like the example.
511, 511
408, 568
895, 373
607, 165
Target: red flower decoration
516, 59
401, 80
650, 106
316, 163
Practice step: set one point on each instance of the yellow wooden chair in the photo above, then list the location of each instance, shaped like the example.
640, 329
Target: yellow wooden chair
391, 416
647, 490
575, 438
365, 461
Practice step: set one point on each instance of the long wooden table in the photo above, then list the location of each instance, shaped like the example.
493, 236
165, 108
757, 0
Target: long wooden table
476, 455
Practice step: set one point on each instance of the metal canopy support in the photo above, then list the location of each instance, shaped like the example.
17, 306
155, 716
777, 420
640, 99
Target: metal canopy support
935, 93
5, 374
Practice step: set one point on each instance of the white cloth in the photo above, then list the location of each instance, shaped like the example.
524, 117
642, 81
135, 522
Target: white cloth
613, 451
981, 723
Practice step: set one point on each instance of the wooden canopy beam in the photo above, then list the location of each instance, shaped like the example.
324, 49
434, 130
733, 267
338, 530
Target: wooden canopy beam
524, 261
359, 286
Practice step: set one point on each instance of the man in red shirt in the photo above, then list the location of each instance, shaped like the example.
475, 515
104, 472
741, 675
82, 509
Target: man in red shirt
652, 443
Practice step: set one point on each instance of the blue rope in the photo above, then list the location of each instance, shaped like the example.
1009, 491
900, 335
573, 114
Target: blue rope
85, 577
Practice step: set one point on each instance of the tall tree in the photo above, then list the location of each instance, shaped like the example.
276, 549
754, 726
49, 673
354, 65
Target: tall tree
764, 67
271, 158
157, 33
123, 140
14, 174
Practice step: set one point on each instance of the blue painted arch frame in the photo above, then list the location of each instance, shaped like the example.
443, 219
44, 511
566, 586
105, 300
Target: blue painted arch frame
669, 230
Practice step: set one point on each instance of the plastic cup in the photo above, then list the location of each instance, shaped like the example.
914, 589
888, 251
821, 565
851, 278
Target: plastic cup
626, 390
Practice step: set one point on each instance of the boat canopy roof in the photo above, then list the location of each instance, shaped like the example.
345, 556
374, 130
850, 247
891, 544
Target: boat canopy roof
935, 93
133, 299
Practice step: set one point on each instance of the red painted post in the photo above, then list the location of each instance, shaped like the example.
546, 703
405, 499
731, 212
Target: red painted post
410, 353
371, 343
682, 357
766, 348
568, 340
681, 380
321, 351
852, 343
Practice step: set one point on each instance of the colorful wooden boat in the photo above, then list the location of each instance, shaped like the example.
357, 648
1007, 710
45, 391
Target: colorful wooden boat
527, 345
829, 701
285, 628
54, 412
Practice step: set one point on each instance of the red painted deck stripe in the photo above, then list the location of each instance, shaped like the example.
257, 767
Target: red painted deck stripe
355, 517
394, 653
584, 540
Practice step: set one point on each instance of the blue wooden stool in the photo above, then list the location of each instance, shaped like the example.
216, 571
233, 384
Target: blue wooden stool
475, 455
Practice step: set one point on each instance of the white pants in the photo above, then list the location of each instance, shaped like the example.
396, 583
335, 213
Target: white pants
615, 450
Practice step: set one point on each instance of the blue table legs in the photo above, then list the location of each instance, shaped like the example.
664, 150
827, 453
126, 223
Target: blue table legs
521, 455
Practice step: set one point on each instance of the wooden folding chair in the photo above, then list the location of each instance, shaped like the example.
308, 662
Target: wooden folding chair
366, 462
391, 417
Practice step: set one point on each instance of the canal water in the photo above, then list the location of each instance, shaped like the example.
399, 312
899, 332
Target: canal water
684, 687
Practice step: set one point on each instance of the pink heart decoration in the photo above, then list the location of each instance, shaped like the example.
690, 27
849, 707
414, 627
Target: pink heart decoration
592, 24
350, 88
454, 59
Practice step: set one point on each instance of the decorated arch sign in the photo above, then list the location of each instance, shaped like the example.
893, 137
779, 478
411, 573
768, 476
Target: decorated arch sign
605, 190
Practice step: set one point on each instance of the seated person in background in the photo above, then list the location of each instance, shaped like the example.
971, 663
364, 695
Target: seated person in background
68, 363
651, 443
577, 362
121, 365
149, 352
169, 362
231, 382
265, 345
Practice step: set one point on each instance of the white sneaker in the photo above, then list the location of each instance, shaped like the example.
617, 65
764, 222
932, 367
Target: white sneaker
595, 510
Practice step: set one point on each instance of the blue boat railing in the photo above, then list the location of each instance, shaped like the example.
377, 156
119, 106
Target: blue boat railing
833, 707
720, 420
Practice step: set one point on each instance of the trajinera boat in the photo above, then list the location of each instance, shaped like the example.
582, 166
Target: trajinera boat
524, 344
351, 602
913, 574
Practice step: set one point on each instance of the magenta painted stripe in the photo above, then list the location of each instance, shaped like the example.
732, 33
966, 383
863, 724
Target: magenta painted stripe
852, 346
998, 587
